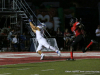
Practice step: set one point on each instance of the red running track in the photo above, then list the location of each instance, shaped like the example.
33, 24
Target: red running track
7, 58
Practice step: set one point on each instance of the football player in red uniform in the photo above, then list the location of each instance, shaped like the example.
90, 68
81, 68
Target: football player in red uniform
79, 38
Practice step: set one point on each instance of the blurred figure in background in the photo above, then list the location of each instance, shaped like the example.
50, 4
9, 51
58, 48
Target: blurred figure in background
4, 32
15, 43
1, 44
9, 37
22, 42
97, 32
67, 38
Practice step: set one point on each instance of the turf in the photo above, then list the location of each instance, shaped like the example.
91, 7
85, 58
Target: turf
76, 67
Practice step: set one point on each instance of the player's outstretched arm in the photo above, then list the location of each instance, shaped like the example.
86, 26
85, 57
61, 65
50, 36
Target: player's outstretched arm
31, 24
34, 28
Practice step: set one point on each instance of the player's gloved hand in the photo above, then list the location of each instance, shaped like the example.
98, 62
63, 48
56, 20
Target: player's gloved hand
29, 20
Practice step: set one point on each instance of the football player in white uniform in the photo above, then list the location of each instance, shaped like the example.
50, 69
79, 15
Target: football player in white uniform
41, 40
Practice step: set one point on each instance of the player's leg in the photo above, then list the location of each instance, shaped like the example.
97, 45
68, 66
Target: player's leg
89, 45
54, 49
71, 52
45, 44
40, 52
73, 46
82, 45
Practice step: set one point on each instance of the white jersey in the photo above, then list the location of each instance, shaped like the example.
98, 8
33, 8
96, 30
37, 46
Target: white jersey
14, 40
97, 30
9, 36
38, 35
41, 40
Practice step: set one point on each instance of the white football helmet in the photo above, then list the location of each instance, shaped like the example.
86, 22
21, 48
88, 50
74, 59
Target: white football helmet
41, 25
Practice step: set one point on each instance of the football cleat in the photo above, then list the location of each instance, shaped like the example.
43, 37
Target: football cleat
70, 59
58, 52
42, 56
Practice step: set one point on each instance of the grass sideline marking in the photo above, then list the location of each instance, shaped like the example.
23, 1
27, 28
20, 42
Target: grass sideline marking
47, 70
79, 71
24, 69
83, 72
34, 74
5, 74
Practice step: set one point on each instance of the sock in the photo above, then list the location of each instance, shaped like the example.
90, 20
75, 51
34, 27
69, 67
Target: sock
71, 54
56, 51
40, 52
90, 44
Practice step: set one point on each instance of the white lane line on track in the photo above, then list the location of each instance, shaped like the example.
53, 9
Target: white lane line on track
26, 55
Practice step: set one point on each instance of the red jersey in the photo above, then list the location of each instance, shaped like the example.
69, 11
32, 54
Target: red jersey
75, 30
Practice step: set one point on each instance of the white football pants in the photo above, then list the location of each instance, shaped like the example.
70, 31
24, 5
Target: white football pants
42, 42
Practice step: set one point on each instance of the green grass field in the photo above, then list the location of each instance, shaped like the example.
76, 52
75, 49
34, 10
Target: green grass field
76, 67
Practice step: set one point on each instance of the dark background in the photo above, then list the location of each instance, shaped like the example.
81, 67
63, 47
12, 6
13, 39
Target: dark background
85, 9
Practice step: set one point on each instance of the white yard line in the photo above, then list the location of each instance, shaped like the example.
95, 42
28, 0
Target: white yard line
24, 69
5, 73
47, 70
82, 72
34, 74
